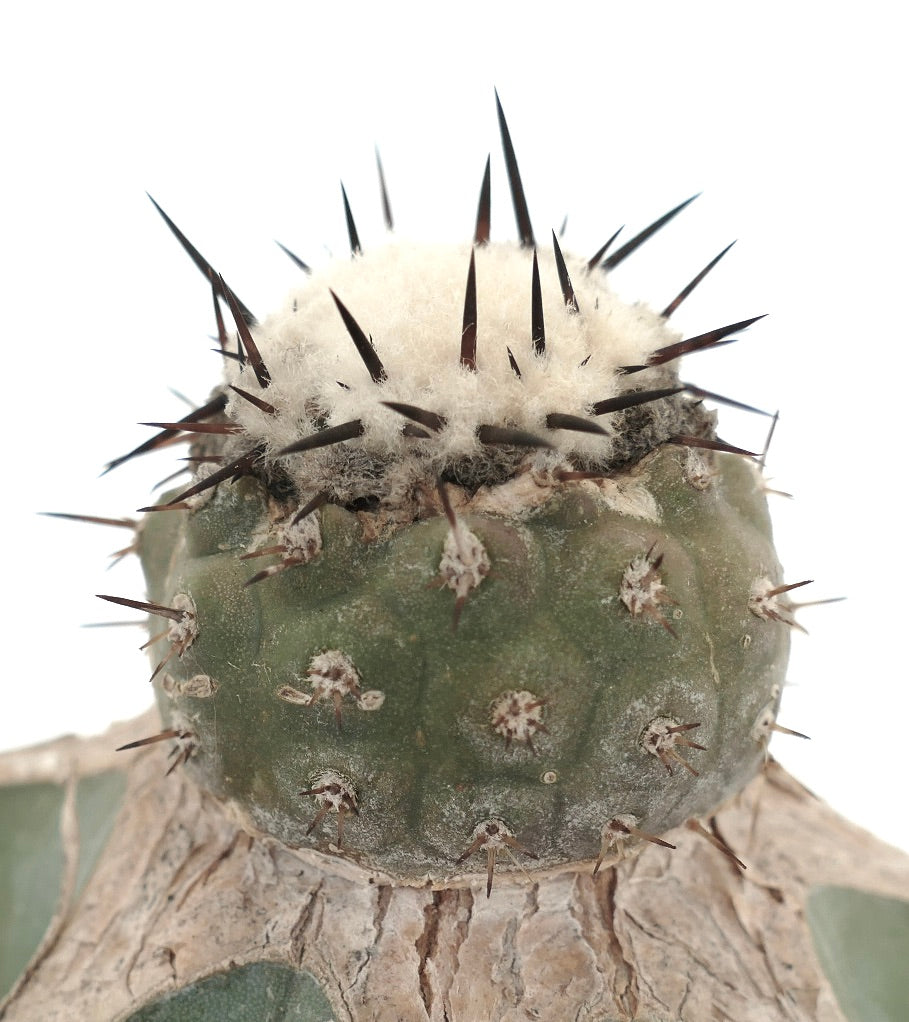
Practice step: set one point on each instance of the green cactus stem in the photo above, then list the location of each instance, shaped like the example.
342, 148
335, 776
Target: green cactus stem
463, 565
564, 697
467, 637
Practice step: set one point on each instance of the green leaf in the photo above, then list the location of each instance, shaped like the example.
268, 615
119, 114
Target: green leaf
98, 801
862, 942
31, 858
264, 991
31, 864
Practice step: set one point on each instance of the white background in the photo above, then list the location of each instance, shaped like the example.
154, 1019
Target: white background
789, 118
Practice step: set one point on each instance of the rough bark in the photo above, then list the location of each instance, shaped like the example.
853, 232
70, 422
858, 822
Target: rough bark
665, 935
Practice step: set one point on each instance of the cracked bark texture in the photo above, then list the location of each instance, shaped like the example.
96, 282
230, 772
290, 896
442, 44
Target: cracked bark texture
664, 936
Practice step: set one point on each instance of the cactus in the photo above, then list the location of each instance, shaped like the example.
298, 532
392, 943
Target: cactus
465, 591
518, 600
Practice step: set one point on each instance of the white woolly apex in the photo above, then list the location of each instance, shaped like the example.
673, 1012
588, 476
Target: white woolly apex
409, 300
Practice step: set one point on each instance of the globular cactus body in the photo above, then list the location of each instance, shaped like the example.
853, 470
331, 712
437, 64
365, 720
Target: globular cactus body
448, 747
508, 595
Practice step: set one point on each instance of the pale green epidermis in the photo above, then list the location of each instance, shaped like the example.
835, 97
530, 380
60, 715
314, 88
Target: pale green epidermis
429, 766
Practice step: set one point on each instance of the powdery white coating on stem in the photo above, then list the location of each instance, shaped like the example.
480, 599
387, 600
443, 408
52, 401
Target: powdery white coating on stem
409, 299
